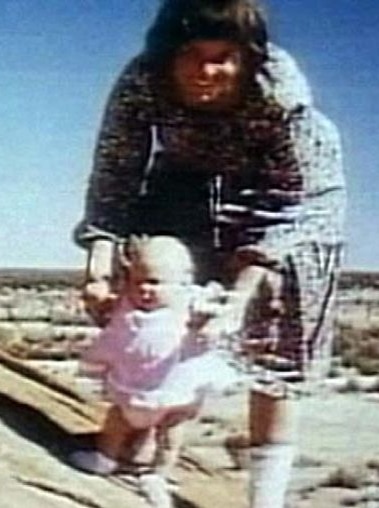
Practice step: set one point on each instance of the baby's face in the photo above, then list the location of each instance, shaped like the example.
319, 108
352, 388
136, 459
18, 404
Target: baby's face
152, 287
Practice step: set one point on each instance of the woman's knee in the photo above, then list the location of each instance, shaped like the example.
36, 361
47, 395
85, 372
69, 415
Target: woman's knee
273, 417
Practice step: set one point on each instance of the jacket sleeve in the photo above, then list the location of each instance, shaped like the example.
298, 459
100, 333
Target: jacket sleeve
308, 145
121, 156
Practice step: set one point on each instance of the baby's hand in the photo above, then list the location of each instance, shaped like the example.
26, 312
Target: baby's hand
208, 308
99, 300
207, 304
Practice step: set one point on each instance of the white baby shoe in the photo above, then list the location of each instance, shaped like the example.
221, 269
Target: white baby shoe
156, 490
93, 461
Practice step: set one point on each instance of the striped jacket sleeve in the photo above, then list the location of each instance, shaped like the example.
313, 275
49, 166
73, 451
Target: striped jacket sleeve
316, 148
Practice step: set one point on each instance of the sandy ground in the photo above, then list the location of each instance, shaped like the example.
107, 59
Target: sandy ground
337, 462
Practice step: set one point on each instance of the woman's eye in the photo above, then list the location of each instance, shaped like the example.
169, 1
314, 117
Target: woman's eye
186, 53
220, 59
152, 282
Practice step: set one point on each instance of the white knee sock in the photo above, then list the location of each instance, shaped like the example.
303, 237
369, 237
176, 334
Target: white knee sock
270, 472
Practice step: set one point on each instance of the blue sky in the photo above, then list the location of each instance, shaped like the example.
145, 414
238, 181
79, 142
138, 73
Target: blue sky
58, 60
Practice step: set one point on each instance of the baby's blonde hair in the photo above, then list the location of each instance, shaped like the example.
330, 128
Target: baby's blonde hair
166, 253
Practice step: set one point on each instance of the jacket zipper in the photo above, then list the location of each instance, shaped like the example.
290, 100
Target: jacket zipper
215, 203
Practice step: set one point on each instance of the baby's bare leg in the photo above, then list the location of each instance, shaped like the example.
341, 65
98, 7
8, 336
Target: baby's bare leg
115, 433
104, 459
170, 441
145, 447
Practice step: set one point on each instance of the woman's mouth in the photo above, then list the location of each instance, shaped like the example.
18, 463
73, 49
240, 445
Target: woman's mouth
203, 90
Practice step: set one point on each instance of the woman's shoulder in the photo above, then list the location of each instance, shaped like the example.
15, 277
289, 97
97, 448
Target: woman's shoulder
135, 80
136, 69
282, 81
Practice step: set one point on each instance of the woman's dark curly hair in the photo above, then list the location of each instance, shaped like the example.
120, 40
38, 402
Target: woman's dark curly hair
181, 21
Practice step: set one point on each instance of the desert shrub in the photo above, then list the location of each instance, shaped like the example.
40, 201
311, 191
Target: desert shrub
342, 478
44, 278
352, 500
334, 372
349, 357
351, 386
374, 388
373, 464
358, 347
8, 334
367, 366
346, 338
307, 461
370, 345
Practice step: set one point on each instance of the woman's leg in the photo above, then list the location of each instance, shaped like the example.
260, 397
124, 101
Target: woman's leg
298, 328
273, 435
273, 415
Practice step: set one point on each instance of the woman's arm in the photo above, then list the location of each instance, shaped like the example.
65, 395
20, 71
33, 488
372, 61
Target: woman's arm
318, 217
121, 155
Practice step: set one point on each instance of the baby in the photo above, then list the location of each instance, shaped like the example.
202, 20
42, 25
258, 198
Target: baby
157, 365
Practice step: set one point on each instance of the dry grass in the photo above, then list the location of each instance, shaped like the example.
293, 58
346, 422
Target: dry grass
358, 347
344, 479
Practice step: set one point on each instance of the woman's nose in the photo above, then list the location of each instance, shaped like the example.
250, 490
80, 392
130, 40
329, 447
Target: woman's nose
210, 69
145, 288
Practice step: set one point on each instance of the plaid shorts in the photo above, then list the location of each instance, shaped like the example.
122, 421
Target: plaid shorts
300, 329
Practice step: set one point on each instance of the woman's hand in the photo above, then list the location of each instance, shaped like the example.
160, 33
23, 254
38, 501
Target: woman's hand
99, 300
97, 292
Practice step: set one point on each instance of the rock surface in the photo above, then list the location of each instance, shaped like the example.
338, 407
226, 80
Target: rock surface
337, 460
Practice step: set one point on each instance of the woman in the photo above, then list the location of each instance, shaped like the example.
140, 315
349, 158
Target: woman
211, 135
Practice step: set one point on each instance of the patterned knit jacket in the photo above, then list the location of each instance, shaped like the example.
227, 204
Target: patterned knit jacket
275, 162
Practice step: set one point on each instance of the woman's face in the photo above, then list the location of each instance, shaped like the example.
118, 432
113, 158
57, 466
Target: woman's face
207, 74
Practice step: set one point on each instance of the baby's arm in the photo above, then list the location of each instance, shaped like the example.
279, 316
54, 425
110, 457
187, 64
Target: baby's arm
207, 305
97, 357
105, 345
